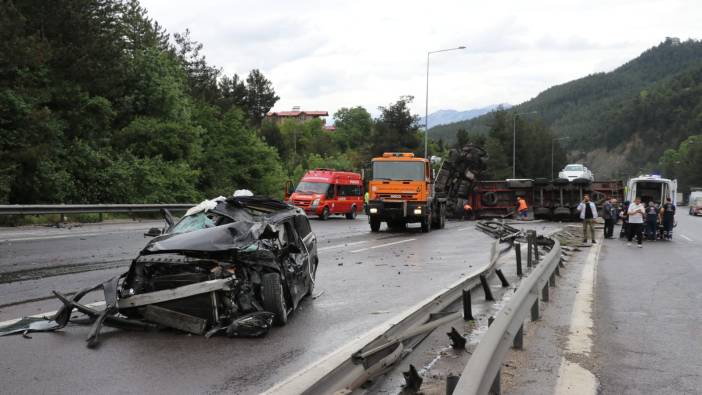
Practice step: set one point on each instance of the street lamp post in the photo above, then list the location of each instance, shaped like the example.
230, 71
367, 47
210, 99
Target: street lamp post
514, 140
553, 140
426, 100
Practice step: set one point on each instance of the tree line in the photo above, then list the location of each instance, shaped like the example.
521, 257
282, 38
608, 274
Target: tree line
99, 104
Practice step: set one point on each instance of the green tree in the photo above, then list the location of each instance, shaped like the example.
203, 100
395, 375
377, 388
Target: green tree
260, 96
396, 129
353, 127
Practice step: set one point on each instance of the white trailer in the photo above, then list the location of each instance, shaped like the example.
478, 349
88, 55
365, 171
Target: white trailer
652, 188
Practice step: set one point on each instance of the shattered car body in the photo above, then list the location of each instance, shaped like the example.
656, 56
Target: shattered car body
238, 268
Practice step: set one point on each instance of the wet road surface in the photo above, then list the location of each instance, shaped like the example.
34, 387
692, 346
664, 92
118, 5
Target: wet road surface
648, 314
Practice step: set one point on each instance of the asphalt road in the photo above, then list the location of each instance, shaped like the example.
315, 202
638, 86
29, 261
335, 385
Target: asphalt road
365, 278
648, 315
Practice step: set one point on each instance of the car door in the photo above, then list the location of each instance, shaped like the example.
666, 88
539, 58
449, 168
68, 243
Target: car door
298, 270
309, 241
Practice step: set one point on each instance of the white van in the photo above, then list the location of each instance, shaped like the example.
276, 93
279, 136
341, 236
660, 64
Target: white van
652, 187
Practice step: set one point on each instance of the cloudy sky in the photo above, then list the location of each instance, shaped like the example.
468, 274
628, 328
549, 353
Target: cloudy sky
324, 55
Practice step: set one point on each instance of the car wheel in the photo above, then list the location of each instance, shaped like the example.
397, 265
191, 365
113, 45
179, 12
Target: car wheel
325, 214
273, 298
352, 213
374, 224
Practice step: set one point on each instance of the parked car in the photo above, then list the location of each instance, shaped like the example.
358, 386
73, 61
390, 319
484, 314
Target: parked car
576, 171
235, 265
696, 206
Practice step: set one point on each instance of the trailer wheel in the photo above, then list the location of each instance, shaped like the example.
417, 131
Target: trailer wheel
352, 213
489, 198
273, 298
374, 224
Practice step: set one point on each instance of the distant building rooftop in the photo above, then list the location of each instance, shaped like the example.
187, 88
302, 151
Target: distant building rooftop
297, 113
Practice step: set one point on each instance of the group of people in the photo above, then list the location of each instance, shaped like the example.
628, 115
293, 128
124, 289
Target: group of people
639, 221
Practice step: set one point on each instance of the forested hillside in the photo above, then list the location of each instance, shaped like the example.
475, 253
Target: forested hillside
99, 104
620, 122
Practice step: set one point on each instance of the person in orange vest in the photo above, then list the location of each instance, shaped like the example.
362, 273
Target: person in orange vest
522, 209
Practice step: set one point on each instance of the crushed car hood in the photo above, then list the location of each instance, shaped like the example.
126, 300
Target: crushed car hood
234, 236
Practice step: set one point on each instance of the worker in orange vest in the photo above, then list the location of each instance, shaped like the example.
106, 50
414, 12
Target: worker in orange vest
522, 209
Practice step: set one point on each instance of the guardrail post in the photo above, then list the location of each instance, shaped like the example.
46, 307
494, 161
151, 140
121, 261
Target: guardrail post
560, 263
518, 342
544, 293
557, 271
502, 277
495, 389
467, 306
486, 288
530, 246
518, 251
535, 310
552, 280
451, 382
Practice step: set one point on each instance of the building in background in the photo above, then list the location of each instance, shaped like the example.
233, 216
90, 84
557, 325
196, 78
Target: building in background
296, 114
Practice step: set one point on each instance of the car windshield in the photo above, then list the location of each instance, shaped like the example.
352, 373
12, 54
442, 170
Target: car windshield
574, 168
193, 222
312, 187
398, 170
698, 200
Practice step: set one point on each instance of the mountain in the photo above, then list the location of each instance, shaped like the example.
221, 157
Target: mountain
620, 122
443, 117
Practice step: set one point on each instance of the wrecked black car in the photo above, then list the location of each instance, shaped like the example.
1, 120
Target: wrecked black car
235, 265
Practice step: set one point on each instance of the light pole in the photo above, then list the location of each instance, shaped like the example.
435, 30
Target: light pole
553, 140
426, 101
514, 140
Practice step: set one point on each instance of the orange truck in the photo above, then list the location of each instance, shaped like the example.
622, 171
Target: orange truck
401, 191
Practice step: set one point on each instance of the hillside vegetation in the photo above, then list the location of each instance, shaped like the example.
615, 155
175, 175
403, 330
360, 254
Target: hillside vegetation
620, 122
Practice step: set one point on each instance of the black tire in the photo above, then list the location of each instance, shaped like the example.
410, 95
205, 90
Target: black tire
489, 198
273, 298
426, 224
352, 214
325, 214
374, 224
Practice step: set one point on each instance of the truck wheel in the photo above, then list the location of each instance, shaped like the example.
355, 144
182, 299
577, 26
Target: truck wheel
374, 224
352, 214
273, 298
325, 214
426, 223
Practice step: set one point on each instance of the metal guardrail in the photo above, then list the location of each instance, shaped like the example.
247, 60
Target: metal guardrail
23, 209
375, 352
482, 370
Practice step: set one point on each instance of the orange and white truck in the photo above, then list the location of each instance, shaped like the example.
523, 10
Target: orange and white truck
401, 191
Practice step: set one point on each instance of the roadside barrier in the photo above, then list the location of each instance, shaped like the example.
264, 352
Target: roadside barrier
39, 209
374, 353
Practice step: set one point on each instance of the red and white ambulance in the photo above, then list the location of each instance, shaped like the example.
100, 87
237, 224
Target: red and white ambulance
325, 192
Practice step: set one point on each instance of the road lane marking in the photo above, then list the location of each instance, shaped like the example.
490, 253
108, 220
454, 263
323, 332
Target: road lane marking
342, 245
686, 238
462, 229
383, 245
47, 314
53, 237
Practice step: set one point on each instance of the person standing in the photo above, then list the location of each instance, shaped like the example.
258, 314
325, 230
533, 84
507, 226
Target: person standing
624, 215
588, 213
636, 212
651, 220
668, 214
610, 215
522, 208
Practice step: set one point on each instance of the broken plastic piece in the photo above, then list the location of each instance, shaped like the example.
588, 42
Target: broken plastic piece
413, 381
29, 324
251, 325
458, 342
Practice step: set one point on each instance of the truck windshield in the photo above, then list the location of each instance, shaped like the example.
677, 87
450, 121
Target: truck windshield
312, 187
398, 170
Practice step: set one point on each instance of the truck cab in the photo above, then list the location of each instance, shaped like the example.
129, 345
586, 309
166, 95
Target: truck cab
401, 191
325, 192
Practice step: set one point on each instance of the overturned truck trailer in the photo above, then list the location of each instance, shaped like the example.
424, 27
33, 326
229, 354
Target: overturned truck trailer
549, 199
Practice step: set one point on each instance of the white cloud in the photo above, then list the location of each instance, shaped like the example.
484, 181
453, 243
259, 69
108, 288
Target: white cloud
332, 54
